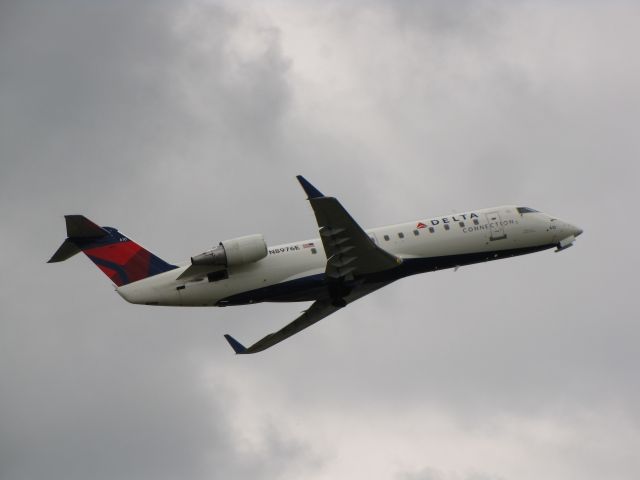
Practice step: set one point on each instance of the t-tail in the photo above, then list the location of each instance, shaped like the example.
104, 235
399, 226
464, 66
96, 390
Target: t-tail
119, 258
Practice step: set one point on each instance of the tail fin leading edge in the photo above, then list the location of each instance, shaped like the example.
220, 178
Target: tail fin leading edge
119, 258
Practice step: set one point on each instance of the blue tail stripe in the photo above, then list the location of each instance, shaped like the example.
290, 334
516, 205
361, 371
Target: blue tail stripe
113, 266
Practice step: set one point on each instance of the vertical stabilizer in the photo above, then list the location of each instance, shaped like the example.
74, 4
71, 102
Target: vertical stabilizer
118, 257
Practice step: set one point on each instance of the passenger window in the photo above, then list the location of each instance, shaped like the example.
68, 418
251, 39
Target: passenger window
314, 251
386, 237
400, 235
416, 232
432, 230
446, 226
461, 224
475, 221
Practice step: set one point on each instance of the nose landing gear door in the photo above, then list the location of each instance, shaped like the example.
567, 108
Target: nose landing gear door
497, 228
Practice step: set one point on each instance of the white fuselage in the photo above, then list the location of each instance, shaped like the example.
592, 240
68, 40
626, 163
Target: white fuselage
479, 235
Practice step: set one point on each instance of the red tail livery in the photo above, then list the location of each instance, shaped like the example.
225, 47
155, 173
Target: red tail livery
119, 258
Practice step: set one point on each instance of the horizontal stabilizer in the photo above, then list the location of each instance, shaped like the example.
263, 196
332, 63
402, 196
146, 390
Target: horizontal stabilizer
79, 226
67, 250
118, 257
236, 345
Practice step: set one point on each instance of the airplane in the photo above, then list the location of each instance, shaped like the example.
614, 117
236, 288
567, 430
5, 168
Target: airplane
344, 264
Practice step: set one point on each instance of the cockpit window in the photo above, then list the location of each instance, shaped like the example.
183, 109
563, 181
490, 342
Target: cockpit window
522, 210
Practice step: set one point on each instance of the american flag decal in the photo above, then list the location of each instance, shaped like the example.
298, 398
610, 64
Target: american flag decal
308, 245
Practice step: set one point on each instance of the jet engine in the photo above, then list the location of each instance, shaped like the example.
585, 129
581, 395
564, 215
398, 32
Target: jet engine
234, 252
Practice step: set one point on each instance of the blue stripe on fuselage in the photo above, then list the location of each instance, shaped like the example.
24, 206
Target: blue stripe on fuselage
311, 288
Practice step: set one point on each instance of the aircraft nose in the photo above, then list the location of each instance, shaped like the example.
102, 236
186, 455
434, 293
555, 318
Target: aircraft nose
566, 229
575, 231
569, 232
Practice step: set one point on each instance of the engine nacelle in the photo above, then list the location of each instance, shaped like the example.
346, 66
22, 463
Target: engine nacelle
237, 251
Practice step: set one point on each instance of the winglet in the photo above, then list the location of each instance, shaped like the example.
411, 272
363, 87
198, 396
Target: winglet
236, 345
310, 190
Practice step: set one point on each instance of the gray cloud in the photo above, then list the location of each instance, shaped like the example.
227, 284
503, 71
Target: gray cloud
184, 124
96, 101
433, 474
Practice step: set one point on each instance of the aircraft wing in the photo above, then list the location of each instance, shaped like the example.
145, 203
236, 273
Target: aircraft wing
349, 249
350, 253
318, 310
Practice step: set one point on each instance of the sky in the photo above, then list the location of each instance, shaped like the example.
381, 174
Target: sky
185, 123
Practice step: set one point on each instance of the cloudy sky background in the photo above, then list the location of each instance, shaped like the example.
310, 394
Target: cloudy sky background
184, 124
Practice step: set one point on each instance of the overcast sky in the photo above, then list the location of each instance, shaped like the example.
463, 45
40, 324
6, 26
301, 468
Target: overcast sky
184, 124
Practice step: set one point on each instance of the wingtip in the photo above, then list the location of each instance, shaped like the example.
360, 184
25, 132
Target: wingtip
310, 190
236, 345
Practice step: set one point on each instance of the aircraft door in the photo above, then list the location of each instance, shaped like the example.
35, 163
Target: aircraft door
495, 223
